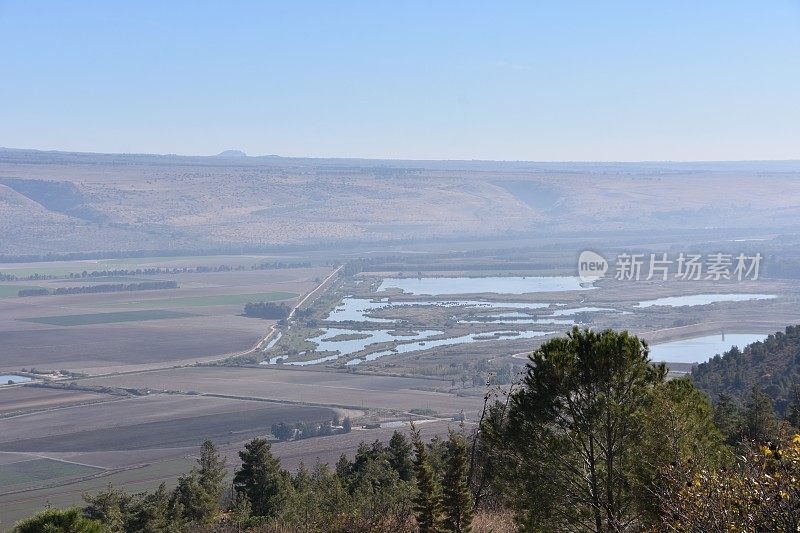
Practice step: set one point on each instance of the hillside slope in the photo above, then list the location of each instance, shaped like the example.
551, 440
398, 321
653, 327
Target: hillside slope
97, 202
774, 364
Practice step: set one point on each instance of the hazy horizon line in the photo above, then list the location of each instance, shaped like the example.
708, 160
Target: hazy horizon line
366, 158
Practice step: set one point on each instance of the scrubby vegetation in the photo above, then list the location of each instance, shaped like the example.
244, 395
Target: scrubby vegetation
594, 437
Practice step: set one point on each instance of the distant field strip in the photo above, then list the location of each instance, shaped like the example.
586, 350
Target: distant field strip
209, 300
106, 318
41, 470
63, 268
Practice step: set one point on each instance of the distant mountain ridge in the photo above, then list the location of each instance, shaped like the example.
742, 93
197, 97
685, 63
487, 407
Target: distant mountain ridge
28, 155
231, 153
54, 202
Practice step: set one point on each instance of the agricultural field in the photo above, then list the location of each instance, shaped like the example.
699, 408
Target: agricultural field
141, 423
145, 470
52, 454
109, 332
56, 455
211, 300
316, 387
106, 318
37, 470
17, 400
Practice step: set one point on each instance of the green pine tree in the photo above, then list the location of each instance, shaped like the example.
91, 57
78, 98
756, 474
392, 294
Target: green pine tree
344, 469
302, 479
761, 424
400, 456
456, 496
728, 418
211, 472
150, 513
260, 478
192, 502
427, 508
574, 430
108, 507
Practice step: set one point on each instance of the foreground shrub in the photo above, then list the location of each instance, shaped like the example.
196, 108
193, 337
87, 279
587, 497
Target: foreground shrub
59, 521
762, 493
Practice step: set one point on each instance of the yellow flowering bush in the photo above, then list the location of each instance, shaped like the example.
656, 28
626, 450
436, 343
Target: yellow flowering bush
760, 493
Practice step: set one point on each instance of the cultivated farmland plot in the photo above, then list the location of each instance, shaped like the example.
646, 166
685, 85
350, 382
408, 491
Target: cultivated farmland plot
19, 400
106, 332
304, 386
157, 421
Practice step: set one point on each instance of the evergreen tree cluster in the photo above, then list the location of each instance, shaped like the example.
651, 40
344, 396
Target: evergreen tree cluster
195, 501
375, 491
773, 364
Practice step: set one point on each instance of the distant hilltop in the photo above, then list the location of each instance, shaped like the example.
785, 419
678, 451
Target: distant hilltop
231, 153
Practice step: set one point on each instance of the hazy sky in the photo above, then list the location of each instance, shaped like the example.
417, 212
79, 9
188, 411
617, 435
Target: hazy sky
536, 80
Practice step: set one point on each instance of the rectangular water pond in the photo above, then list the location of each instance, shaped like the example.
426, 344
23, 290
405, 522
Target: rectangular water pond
7, 379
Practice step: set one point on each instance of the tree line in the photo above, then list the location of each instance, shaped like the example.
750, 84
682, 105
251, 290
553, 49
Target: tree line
154, 271
107, 287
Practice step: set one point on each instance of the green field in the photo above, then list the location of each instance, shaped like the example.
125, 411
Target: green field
106, 318
107, 279
41, 470
63, 268
44, 271
10, 291
209, 300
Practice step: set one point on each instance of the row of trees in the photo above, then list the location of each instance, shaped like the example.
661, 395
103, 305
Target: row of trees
86, 274
153, 271
106, 287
